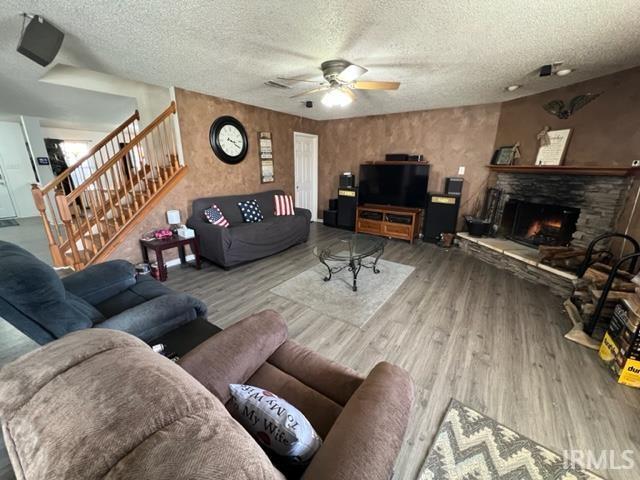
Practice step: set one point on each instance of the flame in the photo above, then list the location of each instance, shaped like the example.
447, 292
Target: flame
536, 227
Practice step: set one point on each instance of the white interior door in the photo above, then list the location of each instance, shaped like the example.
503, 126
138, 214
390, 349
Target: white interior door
305, 148
17, 172
7, 210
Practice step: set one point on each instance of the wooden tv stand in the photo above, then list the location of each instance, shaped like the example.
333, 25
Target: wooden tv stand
388, 221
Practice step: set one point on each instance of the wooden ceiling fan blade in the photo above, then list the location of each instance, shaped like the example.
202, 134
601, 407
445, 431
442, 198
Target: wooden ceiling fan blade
312, 91
349, 92
351, 73
372, 85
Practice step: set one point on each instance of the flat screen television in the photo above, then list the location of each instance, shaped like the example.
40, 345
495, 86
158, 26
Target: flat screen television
394, 184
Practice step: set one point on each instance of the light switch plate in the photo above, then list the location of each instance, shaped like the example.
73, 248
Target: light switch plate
461, 170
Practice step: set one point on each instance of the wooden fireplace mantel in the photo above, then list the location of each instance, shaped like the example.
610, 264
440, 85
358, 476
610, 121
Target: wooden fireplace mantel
567, 170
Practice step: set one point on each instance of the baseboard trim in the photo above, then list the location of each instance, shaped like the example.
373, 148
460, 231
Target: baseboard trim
176, 261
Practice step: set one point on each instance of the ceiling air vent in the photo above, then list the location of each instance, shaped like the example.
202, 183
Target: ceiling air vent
273, 84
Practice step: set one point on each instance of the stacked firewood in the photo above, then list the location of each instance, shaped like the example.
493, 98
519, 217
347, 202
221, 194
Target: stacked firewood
568, 258
589, 289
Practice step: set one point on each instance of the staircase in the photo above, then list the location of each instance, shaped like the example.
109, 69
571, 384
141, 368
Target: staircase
91, 205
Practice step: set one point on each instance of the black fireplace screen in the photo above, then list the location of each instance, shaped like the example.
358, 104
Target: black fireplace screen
539, 224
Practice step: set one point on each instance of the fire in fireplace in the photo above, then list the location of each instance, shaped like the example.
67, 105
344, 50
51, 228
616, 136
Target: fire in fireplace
538, 224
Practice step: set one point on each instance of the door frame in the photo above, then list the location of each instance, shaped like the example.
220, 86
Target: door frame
314, 189
3, 174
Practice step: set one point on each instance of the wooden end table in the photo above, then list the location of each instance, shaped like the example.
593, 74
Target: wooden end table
159, 245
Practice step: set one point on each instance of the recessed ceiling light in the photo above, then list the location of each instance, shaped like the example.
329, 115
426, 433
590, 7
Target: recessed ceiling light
564, 71
513, 88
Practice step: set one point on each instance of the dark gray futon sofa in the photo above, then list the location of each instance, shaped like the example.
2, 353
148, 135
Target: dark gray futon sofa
242, 242
106, 295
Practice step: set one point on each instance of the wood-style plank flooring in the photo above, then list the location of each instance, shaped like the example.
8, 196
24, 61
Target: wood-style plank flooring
462, 328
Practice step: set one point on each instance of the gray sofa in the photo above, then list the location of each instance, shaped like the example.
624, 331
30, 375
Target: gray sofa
242, 242
107, 295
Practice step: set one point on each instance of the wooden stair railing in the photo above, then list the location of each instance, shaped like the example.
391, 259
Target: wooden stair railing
84, 214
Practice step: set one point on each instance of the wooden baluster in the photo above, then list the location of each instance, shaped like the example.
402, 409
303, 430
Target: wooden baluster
117, 190
162, 132
147, 170
95, 215
102, 219
153, 160
38, 198
166, 147
77, 223
65, 216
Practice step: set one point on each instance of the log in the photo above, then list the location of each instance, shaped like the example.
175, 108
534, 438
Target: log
602, 267
599, 279
612, 298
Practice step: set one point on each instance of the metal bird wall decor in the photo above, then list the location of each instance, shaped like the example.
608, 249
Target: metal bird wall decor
558, 108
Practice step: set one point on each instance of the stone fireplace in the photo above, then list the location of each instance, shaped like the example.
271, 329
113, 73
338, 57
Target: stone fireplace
596, 199
557, 206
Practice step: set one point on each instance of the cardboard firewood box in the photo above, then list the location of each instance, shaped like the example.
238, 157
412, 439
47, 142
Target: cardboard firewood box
620, 348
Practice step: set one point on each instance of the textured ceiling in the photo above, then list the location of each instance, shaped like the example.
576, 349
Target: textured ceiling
445, 53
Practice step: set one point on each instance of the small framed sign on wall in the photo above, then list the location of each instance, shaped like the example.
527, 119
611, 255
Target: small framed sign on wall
554, 147
266, 157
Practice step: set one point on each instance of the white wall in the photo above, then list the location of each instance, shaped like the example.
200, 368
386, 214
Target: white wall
35, 140
151, 99
17, 168
90, 136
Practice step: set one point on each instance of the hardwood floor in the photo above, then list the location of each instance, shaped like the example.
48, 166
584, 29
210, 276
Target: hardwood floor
462, 328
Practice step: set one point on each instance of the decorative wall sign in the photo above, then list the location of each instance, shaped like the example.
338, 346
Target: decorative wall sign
266, 157
553, 153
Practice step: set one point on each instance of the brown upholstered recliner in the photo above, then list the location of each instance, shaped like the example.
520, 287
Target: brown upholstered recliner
102, 405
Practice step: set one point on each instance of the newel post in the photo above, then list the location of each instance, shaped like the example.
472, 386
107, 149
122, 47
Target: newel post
54, 248
65, 216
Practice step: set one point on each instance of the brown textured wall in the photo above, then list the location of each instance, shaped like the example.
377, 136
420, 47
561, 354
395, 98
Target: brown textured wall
206, 174
447, 138
606, 132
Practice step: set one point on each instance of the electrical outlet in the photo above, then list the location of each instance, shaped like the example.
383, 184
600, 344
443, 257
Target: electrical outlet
461, 170
635, 163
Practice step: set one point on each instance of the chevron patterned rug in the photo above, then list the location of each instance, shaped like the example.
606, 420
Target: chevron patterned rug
470, 446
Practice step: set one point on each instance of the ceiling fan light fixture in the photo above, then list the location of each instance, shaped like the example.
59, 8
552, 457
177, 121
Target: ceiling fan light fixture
564, 72
336, 97
512, 88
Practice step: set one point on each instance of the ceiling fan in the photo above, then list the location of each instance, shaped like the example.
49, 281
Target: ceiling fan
341, 80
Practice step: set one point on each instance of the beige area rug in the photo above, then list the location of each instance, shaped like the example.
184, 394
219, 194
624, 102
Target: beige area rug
336, 298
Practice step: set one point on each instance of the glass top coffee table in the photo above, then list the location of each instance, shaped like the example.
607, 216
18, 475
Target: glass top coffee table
350, 252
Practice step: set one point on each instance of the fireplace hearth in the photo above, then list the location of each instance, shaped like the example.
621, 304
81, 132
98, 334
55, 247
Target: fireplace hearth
535, 224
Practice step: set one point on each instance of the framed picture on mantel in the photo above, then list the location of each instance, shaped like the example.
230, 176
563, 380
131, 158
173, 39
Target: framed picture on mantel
554, 149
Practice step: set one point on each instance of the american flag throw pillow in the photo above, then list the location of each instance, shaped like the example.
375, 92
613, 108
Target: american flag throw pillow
284, 205
215, 216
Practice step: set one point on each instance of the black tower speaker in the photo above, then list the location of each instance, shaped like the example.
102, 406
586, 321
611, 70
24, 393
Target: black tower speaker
40, 41
333, 204
441, 216
347, 206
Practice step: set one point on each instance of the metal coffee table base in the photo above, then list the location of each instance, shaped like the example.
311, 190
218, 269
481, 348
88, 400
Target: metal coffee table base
354, 267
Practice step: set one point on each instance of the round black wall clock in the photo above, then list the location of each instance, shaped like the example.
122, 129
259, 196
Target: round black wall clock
228, 140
